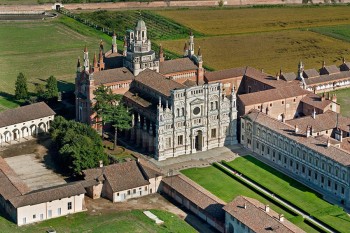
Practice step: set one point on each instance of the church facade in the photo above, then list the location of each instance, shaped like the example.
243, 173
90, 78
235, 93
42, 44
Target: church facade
174, 110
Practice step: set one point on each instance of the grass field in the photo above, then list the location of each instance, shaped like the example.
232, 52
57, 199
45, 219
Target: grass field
40, 49
344, 101
269, 51
341, 32
292, 191
228, 188
127, 221
229, 21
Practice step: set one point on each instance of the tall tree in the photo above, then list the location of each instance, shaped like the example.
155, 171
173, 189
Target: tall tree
120, 118
51, 88
21, 91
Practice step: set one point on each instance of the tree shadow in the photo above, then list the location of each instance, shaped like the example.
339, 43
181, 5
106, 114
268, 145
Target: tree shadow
10, 97
64, 86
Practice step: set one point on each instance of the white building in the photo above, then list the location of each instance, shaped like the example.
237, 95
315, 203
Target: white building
25, 206
121, 181
24, 122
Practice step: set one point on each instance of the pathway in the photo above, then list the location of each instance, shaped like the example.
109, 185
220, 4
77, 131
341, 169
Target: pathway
277, 199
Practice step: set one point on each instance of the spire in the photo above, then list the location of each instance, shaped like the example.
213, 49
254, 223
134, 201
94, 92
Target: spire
199, 51
95, 60
186, 50
78, 65
85, 49
125, 49
191, 33
343, 60
86, 59
114, 43
101, 45
191, 45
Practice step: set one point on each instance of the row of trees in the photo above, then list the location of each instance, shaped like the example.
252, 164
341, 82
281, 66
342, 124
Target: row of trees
47, 92
79, 146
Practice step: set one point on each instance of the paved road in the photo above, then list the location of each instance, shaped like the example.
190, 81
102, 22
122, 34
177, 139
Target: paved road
272, 196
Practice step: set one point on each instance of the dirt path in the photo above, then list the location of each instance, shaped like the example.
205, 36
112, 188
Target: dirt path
154, 201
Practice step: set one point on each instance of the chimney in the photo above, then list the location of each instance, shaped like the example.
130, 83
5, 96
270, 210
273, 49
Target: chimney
314, 114
277, 76
328, 142
101, 163
323, 64
245, 206
296, 129
308, 131
267, 208
281, 217
343, 60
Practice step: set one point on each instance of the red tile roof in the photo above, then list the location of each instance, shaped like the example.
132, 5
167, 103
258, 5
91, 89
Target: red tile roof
272, 95
25, 113
252, 214
225, 74
112, 75
158, 82
176, 65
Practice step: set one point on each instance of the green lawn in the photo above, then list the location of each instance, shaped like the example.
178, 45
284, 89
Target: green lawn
341, 32
292, 191
344, 101
227, 188
127, 221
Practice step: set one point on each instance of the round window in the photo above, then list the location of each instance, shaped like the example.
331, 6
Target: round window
196, 110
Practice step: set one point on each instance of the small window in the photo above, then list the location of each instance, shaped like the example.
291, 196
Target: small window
128, 192
117, 194
134, 191
213, 133
34, 216
69, 205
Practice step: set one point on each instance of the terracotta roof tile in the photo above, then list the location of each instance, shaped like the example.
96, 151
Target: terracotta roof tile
289, 76
328, 78
197, 195
310, 73
158, 82
315, 100
252, 213
225, 74
334, 153
25, 113
332, 69
10, 183
176, 65
112, 75
121, 176
48, 194
272, 95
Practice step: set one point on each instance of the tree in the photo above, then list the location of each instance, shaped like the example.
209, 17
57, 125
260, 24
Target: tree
110, 109
120, 119
51, 88
79, 146
21, 91
40, 91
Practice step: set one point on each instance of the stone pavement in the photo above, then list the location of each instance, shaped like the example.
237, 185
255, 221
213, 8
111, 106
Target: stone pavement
34, 172
200, 159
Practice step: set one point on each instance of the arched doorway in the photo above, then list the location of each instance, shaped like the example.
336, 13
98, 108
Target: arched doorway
41, 127
33, 130
25, 132
199, 140
16, 134
7, 136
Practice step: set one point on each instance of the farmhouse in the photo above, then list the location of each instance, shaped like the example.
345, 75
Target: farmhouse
121, 181
24, 122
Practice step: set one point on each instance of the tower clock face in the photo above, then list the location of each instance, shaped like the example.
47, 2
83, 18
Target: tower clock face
196, 110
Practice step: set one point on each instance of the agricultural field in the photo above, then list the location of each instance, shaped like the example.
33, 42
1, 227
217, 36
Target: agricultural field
127, 221
39, 49
158, 27
269, 51
292, 191
231, 21
228, 188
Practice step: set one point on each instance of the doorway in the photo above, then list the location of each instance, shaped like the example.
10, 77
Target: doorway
199, 141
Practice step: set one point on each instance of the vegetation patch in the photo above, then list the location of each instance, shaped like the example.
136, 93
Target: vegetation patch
126, 221
229, 21
227, 188
292, 191
344, 100
341, 32
158, 27
269, 51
